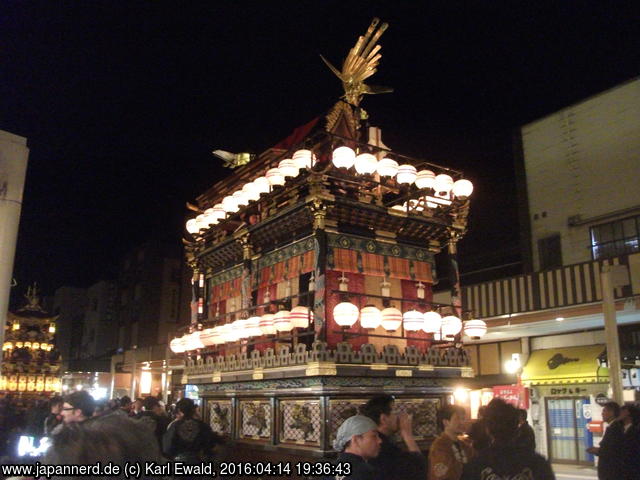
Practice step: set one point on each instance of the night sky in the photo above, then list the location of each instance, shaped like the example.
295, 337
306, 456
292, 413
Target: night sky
123, 102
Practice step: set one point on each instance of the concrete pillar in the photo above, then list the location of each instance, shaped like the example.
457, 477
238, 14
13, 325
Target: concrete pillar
14, 155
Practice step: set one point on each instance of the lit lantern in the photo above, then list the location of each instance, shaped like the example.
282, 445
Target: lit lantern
406, 174
387, 167
27, 344
242, 199
239, 328
475, 328
425, 179
177, 345
432, 322
391, 319
266, 324
282, 321
262, 185
343, 157
462, 188
226, 333
300, 316
366, 163
230, 204
209, 217
420, 290
413, 320
275, 177
251, 191
7, 346
288, 167
35, 345
193, 341
19, 344
218, 212
345, 314
209, 336
443, 183
385, 288
52, 328
201, 222
192, 226
44, 346
16, 325
451, 326
370, 317
252, 326
304, 158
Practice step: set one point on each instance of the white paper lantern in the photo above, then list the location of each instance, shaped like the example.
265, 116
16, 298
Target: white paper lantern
192, 226
432, 322
366, 163
406, 174
275, 177
288, 168
251, 191
345, 314
218, 212
262, 185
413, 320
193, 342
266, 324
239, 328
343, 157
443, 183
425, 179
475, 328
210, 217
451, 326
304, 158
177, 345
242, 199
462, 188
230, 204
227, 333
209, 336
282, 321
252, 326
391, 319
387, 167
201, 222
370, 317
300, 316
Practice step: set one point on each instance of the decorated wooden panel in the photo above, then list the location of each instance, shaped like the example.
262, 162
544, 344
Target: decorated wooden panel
254, 420
424, 411
220, 416
300, 422
339, 411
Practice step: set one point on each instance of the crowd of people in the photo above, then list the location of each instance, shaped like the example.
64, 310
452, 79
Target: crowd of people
499, 445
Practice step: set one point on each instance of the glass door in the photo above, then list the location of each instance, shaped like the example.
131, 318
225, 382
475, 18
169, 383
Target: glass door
566, 430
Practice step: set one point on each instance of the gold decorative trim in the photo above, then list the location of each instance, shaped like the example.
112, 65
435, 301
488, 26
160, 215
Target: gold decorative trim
379, 366
321, 368
258, 374
404, 373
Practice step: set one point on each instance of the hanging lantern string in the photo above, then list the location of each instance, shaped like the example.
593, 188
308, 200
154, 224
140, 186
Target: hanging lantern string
417, 301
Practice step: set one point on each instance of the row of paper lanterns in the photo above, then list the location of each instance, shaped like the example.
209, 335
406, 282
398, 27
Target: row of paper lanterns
343, 157
346, 314
267, 324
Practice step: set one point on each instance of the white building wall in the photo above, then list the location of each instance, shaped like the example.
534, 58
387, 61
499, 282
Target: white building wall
583, 161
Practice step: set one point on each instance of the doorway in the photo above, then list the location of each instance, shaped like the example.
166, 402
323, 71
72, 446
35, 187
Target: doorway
567, 433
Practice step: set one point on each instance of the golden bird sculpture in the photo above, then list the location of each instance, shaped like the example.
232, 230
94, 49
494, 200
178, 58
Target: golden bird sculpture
361, 63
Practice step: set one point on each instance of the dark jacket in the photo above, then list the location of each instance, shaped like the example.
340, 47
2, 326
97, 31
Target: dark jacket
612, 452
360, 468
155, 423
189, 439
394, 463
507, 463
631, 460
480, 439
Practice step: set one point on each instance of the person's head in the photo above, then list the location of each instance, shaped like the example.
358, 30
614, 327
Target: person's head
630, 414
125, 403
185, 408
522, 416
481, 411
358, 435
380, 410
152, 404
451, 419
610, 411
109, 438
501, 420
55, 405
77, 407
137, 404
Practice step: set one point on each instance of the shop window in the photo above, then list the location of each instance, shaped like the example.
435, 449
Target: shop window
615, 238
550, 251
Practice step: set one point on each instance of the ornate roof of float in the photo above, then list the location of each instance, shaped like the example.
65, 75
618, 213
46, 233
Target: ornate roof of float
368, 200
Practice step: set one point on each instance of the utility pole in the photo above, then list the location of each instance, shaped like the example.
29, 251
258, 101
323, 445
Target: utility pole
613, 276
14, 155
